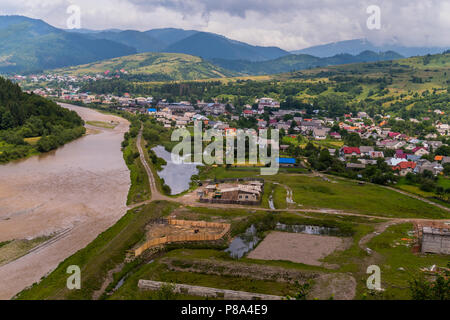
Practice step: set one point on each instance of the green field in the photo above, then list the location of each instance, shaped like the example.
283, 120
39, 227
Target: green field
340, 194
397, 255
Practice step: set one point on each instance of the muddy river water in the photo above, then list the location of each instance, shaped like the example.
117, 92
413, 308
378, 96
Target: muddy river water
74, 193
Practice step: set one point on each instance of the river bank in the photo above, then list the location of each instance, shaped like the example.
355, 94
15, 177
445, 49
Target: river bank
78, 190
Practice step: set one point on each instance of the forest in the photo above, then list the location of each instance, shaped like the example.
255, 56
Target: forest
30, 124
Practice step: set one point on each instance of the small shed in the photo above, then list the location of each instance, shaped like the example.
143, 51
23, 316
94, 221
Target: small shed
435, 240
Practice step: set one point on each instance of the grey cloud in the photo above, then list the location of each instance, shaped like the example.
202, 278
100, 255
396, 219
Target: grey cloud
290, 24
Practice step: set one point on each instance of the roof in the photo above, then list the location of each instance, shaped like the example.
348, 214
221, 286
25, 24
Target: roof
438, 158
417, 149
286, 160
404, 165
350, 150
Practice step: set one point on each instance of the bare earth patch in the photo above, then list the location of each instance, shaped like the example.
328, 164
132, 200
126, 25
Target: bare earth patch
17, 248
297, 247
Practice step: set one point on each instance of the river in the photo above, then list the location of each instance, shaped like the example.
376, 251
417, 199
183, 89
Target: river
76, 192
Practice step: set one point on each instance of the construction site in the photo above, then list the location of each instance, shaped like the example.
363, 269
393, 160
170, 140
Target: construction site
232, 191
433, 237
164, 231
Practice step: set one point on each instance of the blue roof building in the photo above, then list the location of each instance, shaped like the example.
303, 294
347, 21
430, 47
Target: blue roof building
289, 161
151, 110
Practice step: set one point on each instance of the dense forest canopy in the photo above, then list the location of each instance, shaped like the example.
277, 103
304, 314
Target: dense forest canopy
25, 115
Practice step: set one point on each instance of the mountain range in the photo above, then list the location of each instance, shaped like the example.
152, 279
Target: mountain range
357, 46
31, 45
300, 62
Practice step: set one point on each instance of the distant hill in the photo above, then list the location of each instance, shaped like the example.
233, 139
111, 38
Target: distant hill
153, 67
357, 46
141, 41
170, 35
29, 45
300, 62
403, 76
212, 46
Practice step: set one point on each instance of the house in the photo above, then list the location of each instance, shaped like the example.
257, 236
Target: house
399, 154
368, 161
362, 115
433, 144
435, 240
365, 150
319, 134
394, 144
355, 166
350, 152
335, 135
284, 147
247, 113
420, 151
404, 167
412, 157
268, 103
376, 154
445, 160
433, 167
443, 129
286, 162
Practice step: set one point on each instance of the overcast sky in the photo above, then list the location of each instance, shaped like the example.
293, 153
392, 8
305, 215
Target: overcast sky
289, 24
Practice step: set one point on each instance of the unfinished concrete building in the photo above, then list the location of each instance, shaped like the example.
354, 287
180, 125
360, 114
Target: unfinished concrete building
247, 192
435, 240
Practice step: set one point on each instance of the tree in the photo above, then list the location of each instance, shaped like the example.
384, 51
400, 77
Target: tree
423, 289
352, 140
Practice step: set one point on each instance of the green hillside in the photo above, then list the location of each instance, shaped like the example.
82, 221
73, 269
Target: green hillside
300, 62
33, 45
153, 67
30, 124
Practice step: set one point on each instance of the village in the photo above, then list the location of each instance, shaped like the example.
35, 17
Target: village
402, 153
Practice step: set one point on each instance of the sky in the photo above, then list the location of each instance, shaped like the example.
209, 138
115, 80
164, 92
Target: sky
288, 24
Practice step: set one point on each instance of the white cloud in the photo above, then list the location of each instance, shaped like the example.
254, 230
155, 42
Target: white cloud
289, 24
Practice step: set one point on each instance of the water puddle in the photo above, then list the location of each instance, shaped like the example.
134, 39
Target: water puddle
244, 243
308, 229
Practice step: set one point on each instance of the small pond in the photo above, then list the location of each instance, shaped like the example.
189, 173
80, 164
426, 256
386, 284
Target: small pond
308, 229
243, 243
176, 176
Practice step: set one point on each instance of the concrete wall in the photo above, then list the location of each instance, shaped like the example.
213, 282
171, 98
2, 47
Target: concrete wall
207, 292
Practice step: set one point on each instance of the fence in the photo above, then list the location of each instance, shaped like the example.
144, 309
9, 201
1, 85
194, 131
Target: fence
186, 237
